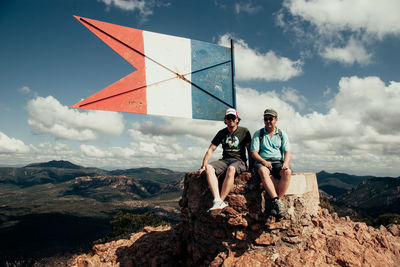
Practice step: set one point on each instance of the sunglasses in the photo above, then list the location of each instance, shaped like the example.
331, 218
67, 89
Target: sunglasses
230, 117
268, 118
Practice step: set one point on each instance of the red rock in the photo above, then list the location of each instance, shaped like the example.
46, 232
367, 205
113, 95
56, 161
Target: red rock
237, 221
236, 236
265, 239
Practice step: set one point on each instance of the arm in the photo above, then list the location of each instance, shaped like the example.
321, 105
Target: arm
207, 157
285, 164
259, 159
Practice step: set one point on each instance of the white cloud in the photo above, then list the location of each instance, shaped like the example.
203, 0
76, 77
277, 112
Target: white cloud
353, 52
47, 115
178, 126
270, 67
378, 18
358, 134
247, 7
341, 30
24, 90
12, 145
94, 152
293, 96
144, 7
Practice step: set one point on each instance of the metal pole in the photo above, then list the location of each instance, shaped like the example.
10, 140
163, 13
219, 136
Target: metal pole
233, 77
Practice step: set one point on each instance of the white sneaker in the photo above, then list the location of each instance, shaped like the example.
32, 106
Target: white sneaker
218, 205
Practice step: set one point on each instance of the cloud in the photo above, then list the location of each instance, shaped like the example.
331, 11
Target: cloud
378, 18
177, 126
353, 52
358, 134
11, 145
144, 7
251, 64
341, 30
24, 90
47, 115
293, 96
247, 7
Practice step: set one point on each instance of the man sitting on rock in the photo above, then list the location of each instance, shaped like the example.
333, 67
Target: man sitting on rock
235, 140
270, 150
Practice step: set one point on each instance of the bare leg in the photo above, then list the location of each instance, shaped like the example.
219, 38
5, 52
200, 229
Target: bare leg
228, 182
212, 181
284, 182
267, 182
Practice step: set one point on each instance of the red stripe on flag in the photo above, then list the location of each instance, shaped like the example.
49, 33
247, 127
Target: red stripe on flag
129, 93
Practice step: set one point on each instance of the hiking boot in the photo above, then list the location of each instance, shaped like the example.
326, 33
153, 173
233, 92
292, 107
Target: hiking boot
218, 205
278, 208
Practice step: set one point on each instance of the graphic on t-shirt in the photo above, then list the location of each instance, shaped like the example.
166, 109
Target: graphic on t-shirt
232, 141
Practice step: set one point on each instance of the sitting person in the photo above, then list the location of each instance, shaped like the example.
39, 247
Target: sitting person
270, 150
235, 141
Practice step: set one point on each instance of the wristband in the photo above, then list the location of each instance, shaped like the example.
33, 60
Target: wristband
202, 167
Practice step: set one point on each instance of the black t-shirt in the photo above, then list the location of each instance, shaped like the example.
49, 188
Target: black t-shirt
233, 145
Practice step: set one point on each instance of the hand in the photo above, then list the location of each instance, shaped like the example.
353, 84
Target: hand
200, 171
285, 166
267, 164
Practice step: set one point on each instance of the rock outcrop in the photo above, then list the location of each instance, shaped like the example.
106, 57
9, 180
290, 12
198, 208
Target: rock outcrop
245, 234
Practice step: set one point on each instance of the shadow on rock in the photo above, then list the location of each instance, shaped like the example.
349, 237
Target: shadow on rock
156, 248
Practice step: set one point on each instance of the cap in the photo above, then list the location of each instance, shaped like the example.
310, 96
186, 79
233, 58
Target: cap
231, 111
270, 111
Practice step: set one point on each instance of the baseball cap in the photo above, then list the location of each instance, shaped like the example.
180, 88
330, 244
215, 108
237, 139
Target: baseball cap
270, 111
231, 111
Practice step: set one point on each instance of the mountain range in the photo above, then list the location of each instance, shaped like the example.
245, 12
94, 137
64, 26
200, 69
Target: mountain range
361, 196
66, 205
58, 206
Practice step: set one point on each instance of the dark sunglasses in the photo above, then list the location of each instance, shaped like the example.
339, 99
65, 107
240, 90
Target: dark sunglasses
230, 117
268, 118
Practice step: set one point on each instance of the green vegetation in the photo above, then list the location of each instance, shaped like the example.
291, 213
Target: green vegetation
386, 219
124, 224
325, 204
131, 223
46, 210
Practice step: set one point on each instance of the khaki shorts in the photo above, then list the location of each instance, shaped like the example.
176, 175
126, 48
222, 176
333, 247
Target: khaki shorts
222, 165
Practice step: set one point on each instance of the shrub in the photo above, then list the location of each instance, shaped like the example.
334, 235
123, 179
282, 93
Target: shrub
130, 223
386, 219
325, 204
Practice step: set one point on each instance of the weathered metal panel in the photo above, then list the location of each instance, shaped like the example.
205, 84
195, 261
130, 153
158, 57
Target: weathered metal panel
211, 70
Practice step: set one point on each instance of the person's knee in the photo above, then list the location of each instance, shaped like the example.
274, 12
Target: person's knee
285, 174
231, 169
263, 172
210, 169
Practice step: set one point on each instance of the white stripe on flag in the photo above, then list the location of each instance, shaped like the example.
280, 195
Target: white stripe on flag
172, 97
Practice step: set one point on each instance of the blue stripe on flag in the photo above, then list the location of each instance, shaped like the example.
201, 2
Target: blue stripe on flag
211, 70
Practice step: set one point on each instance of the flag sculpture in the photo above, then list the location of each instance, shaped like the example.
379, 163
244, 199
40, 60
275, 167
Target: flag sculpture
174, 76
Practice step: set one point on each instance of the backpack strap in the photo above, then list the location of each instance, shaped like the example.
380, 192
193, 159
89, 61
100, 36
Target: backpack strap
281, 148
262, 132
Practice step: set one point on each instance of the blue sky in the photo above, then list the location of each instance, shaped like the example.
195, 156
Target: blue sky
330, 68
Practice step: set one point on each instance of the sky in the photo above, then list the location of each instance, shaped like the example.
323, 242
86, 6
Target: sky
329, 67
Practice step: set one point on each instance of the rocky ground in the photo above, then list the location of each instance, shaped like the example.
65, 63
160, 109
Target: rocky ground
245, 235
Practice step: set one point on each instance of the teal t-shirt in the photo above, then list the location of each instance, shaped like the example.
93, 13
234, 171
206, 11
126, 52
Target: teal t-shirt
270, 147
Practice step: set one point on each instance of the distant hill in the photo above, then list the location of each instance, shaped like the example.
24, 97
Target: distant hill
44, 202
56, 164
156, 174
43, 173
373, 197
336, 184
